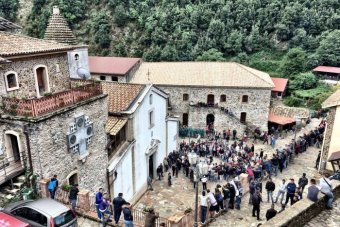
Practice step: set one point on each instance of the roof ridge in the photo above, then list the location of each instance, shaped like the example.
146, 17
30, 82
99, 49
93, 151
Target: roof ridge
245, 68
34, 38
123, 83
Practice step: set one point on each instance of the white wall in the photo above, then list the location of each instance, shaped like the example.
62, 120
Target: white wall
172, 133
83, 61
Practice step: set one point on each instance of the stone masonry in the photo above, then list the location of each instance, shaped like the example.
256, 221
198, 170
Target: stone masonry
256, 109
327, 139
58, 79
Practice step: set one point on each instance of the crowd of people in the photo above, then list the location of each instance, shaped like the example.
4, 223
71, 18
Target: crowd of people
228, 155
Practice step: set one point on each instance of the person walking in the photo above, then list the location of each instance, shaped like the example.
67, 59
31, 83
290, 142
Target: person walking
257, 199
313, 191
73, 196
326, 189
103, 209
270, 187
204, 182
118, 203
99, 199
303, 181
150, 218
204, 207
282, 191
226, 197
291, 188
169, 180
149, 182
52, 186
128, 217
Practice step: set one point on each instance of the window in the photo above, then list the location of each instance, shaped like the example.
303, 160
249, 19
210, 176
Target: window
114, 78
31, 215
64, 218
115, 141
211, 100
11, 79
185, 97
57, 68
151, 120
150, 99
102, 77
185, 119
76, 57
223, 98
245, 98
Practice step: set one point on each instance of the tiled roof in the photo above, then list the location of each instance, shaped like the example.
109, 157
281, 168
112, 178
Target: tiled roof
333, 100
327, 69
15, 44
58, 30
6, 25
120, 95
281, 120
212, 74
114, 125
280, 84
112, 65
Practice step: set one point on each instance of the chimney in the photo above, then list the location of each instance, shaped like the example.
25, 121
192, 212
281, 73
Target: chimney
56, 10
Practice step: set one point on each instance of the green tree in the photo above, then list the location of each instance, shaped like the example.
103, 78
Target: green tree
294, 62
120, 15
303, 81
329, 49
9, 9
211, 55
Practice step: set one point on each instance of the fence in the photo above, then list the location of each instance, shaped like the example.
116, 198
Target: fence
11, 167
40, 106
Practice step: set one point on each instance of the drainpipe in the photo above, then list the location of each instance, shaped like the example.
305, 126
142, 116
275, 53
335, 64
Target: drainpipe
28, 148
108, 181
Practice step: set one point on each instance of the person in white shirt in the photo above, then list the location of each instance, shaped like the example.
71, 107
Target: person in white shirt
204, 207
213, 203
326, 188
204, 182
282, 190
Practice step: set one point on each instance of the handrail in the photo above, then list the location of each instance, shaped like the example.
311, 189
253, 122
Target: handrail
8, 165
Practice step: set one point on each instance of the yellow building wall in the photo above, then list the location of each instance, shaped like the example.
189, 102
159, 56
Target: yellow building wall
335, 139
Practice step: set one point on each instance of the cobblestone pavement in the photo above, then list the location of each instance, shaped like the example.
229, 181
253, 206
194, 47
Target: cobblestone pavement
84, 222
327, 218
171, 200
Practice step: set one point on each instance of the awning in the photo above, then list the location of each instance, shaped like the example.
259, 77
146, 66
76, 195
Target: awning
335, 156
114, 125
280, 119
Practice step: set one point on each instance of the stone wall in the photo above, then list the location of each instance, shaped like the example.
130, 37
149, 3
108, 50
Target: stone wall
57, 70
327, 140
50, 154
257, 107
290, 111
303, 211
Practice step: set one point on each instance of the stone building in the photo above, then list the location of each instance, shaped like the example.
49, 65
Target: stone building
118, 69
140, 135
222, 94
49, 123
331, 143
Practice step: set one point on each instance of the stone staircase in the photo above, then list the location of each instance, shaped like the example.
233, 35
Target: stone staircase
12, 192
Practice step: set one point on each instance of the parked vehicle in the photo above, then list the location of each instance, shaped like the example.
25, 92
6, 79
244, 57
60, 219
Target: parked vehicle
10, 221
42, 213
335, 176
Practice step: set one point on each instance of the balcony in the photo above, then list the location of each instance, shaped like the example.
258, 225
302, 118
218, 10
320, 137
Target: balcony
36, 107
202, 104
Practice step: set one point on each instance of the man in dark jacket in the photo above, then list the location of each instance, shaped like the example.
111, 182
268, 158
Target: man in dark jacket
271, 213
252, 190
150, 218
232, 195
303, 181
128, 217
270, 187
257, 199
118, 202
73, 196
291, 187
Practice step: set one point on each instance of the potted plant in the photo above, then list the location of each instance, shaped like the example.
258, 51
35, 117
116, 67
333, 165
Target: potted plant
66, 187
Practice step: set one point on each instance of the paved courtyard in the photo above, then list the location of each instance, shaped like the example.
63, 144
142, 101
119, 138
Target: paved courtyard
171, 200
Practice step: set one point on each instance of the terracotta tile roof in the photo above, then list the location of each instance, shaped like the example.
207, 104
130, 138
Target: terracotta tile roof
327, 69
281, 120
114, 125
58, 30
334, 156
333, 100
112, 65
15, 44
213, 74
280, 84
6, 25
120, 95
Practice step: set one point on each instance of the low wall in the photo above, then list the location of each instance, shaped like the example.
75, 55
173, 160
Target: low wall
303, 211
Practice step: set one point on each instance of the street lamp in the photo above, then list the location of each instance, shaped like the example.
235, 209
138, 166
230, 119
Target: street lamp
297, 123
200, 169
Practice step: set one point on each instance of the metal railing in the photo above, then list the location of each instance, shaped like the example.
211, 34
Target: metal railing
139, 218
10, 166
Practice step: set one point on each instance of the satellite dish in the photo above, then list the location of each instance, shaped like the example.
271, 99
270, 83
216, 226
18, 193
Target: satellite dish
83, 73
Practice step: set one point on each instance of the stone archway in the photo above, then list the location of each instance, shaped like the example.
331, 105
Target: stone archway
13, 146
210, 121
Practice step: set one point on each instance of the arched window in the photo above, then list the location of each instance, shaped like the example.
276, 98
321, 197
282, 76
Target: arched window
76, 57
245, 98
150, 99
223, 98
11, 79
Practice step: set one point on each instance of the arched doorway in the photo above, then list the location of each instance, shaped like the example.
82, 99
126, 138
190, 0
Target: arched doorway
210, 121
13, 146
243, 117
41, 80
73, 178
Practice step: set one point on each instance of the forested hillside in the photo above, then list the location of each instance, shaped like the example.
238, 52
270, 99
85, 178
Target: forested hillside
281, 37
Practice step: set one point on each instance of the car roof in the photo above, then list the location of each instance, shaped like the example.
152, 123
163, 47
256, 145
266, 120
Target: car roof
48, 207
8, 220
